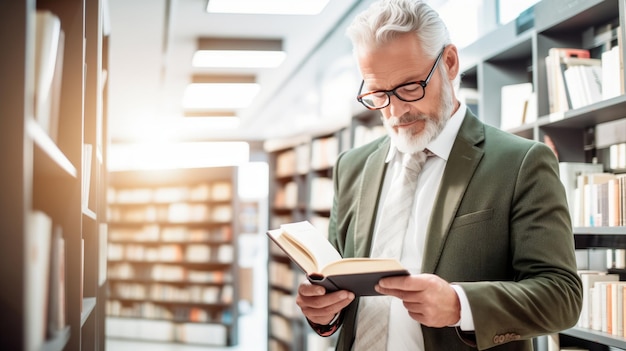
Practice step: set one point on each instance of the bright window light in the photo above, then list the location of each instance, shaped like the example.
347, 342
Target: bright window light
219, 95
238, 58
463, 25
168, 155
277, 7
509, 10
253, 180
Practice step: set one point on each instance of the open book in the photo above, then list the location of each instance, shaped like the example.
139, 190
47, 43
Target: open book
324, 266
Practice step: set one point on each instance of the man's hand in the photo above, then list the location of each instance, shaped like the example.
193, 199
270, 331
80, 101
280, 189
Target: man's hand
319, 307
429, 299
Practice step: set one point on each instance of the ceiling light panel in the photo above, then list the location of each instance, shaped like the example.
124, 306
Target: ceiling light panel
238, 59
238, 53
219, 95
220, 92
214, 119
269, 7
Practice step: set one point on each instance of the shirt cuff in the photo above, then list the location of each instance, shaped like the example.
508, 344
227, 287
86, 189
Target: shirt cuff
466, 323
327, 329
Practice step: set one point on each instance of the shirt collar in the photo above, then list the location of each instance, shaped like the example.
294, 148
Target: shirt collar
442, 145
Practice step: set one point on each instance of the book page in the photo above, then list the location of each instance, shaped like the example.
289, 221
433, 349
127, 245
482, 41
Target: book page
294, 250
316, 245
362, 265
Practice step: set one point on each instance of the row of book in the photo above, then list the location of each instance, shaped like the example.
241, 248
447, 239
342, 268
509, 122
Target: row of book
574, 79
604, 306
577, 79
280, 274
275, 345
150, 310
172, 293
175, 253
321, 194
283, 303
157, 330
293, 161
364, 134
209, 191
174, 213
152, 233
324, 152
595, 198
281, 328
319, 154
166, 273
286, 197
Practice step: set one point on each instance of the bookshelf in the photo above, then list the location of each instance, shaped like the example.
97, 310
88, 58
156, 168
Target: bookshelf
53, 180
510, 56
300, 189
172, 256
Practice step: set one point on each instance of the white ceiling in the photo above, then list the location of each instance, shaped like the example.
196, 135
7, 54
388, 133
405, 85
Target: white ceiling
151, 45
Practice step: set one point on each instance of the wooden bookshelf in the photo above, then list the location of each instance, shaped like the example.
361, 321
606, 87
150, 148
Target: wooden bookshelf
504, 57
53, 107
300, 189
172, 256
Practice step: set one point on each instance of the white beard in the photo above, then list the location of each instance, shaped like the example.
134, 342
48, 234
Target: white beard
407, 140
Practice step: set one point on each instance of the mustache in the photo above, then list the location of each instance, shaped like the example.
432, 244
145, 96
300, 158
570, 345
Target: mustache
404, 119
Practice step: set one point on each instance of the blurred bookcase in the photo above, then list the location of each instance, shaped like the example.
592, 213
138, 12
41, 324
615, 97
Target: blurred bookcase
172, 256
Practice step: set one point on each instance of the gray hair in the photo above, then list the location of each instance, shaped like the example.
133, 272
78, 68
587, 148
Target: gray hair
385, 20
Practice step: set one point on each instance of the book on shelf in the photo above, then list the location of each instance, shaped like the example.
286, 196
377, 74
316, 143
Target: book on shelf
55, 95
324, 266
607, 307
37, 278
611, 81
103, 239
583, 81
587, 198
56, 296
86, 184
514, 101
557, 61
321, 193
324, 152
617, 156
568, 173
48, 61
82, 273
610, 133
589, 279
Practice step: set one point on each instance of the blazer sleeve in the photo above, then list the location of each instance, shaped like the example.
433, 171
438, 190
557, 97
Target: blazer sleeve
545, 293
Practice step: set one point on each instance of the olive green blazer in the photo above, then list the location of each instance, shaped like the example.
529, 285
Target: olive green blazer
500, 228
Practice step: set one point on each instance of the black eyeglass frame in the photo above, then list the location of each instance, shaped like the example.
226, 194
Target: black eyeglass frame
389, 93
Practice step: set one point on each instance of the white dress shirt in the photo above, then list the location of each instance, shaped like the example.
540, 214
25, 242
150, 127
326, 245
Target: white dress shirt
404, 332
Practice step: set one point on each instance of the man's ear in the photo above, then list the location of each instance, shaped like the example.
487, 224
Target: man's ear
451, 60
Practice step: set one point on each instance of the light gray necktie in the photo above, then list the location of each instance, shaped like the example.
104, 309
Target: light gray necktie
373, 316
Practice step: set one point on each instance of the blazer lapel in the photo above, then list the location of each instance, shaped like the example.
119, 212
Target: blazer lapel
464, 159
369, 191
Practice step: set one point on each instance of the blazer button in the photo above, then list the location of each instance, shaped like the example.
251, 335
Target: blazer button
502, 338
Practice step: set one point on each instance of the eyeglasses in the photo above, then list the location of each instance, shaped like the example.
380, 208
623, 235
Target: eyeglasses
408, 92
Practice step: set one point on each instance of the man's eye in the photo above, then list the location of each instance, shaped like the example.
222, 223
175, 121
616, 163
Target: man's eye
411, 88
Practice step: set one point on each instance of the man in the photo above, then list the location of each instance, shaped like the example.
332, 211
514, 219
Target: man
488, 242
